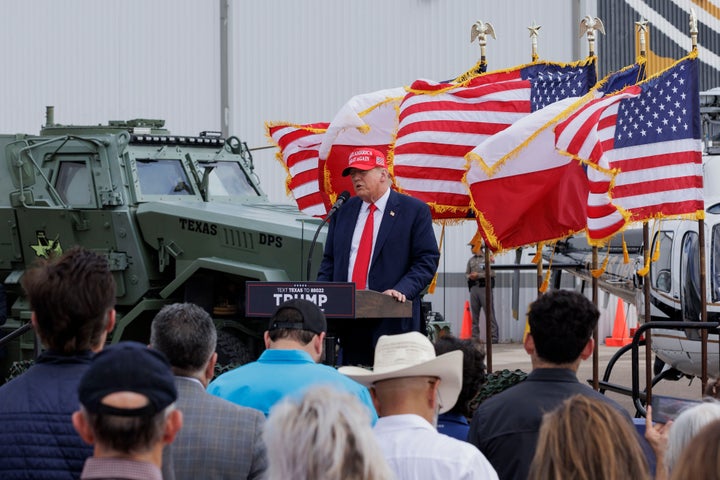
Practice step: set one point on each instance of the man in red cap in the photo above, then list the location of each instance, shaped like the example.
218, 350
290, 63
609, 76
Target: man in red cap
381, 240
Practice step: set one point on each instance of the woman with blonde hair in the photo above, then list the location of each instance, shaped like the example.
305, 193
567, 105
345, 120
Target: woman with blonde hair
325, 435
587, 439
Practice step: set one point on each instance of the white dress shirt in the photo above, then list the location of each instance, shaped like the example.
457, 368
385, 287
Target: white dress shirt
415, 450
381, 203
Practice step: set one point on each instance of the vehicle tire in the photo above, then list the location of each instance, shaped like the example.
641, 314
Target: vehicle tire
232, 350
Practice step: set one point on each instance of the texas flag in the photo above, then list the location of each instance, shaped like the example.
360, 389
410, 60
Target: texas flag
524, 191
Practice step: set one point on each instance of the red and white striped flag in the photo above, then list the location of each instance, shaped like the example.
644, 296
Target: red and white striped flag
440, 123
648, 135
298, 153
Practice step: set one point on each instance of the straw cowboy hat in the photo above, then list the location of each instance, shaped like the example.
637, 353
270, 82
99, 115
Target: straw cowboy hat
412, 355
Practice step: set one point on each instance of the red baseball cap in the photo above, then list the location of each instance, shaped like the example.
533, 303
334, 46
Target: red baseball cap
365, 159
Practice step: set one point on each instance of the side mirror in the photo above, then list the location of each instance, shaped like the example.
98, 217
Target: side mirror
22, 199
22, 170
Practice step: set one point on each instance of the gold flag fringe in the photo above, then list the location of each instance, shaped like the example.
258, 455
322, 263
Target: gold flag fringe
546, 278
656, 252
597, 272
538, 253
648, 257
626, 255
433, 283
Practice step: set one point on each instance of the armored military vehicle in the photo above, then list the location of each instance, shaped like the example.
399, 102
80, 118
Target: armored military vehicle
179, 218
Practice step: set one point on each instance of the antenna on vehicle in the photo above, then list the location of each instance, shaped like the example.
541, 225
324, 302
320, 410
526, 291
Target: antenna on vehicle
49, 116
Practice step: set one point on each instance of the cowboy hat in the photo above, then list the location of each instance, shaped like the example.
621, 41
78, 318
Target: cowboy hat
412, 355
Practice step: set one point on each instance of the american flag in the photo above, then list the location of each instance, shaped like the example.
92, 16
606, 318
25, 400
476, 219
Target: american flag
440, 123
298, 152
648, 135
523, 190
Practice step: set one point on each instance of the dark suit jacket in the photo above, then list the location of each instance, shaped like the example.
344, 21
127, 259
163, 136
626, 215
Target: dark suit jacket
218, 440
406, 253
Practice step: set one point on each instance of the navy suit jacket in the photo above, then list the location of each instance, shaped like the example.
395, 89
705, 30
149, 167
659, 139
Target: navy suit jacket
406, 253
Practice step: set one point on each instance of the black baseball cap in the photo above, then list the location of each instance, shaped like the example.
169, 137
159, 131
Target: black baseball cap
128, 367
313, 319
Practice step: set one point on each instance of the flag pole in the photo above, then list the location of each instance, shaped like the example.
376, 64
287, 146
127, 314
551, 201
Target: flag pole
642, 27
588, 25
693, 30
701, 240
534, 32
533, 40
489, 309
479, 31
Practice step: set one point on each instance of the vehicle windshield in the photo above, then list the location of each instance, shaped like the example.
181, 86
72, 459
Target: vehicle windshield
715, 264
660, 269
163, 177
228, 179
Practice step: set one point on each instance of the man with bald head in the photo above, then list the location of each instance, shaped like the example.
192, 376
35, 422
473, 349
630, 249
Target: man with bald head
411, 386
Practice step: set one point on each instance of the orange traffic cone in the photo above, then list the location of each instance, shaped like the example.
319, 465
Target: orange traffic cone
620, 334
466, 329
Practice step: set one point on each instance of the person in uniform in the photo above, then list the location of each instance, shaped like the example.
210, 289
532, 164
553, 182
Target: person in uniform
475, 273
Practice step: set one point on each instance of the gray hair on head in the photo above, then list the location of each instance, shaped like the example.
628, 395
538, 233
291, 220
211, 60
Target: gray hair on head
686, 426
326, 435
186, 334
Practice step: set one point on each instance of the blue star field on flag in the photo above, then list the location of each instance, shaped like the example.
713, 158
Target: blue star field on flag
663, 111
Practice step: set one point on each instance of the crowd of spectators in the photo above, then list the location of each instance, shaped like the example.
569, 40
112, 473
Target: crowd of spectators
154, 411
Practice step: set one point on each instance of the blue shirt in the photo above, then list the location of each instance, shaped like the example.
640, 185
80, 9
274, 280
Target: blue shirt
453, 425
278, 373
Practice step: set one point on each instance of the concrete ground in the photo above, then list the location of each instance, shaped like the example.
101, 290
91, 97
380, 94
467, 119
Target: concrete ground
512, 356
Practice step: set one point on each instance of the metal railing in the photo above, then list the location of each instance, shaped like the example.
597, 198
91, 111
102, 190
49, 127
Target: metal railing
635, 352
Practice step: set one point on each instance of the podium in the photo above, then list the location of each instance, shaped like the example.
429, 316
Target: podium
339, 300
370, 308
372, 304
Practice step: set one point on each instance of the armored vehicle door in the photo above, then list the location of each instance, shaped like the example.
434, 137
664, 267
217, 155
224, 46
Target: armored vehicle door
74, 197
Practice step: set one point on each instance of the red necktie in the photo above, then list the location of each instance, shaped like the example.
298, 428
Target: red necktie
362, 259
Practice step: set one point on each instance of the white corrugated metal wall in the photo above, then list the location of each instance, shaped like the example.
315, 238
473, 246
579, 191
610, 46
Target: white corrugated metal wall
288, 61
102, 60
300, 64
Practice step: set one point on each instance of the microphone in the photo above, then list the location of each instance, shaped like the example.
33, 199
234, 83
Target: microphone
342, 198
